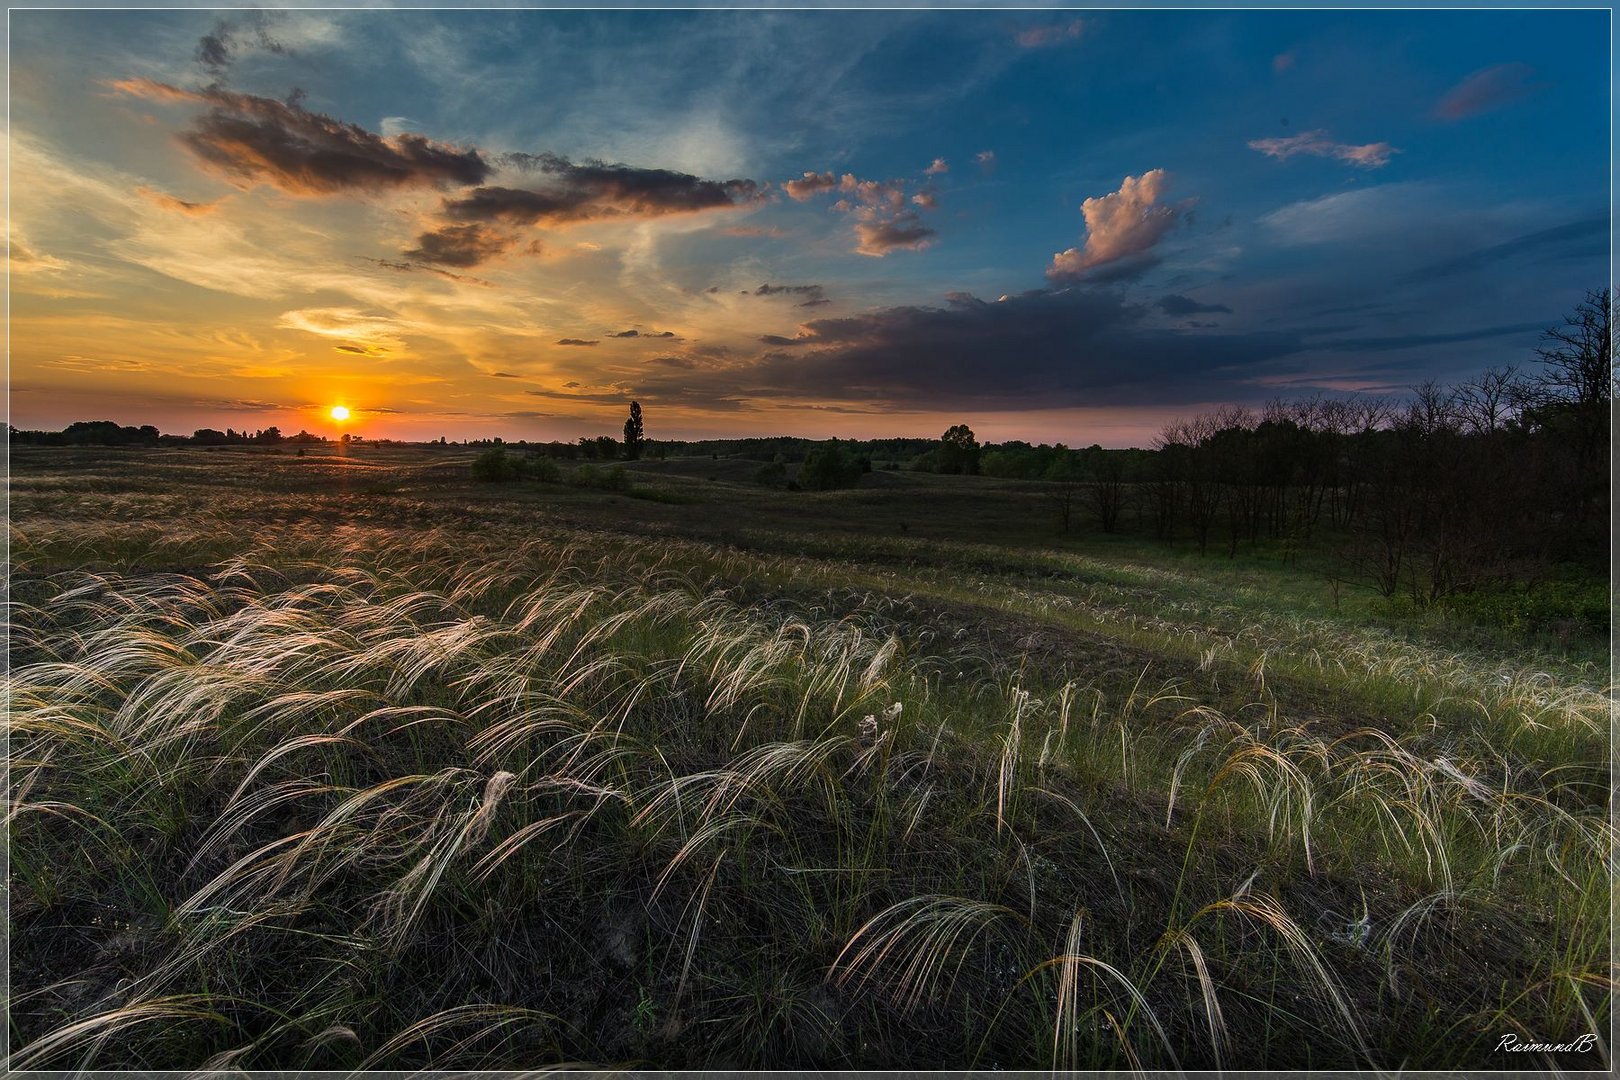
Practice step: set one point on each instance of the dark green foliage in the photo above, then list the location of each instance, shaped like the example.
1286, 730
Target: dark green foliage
828, 467
958, 450
495, 467
773, 475
590, 476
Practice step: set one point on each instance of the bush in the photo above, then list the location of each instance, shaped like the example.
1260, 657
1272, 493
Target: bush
829, 467
773, 475
494, 467
589, 476
542, 469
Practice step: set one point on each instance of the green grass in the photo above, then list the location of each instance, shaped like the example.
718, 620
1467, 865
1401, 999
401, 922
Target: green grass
346, 761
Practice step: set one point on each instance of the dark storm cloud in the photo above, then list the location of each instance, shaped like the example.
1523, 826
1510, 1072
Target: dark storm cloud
252, 139
1588, 237
1183, 305
595, 190
459, 245
814, 294
783, 342
1412, 341
1037, 350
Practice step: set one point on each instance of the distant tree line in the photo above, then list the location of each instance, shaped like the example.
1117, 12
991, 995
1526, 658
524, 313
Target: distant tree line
108, 433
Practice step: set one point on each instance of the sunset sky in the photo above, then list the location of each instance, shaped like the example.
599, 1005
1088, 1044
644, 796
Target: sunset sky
1062, 226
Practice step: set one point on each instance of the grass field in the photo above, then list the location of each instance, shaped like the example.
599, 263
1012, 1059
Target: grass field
346, 761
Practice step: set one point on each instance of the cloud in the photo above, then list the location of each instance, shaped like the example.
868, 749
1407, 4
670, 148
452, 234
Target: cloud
985, 158
217, 49
247, 139
376, 331
96, 365
813, 294
809, 186
1366, 215
361, 350
903, 232
575, 341
1317, 144
179, 206
1049, 348
752, 230
939, 166
883, 222
1586, 238
1038, 37
1412, 341
644, 334
459, 245
1485, 91
1182, 305
1284, 61
1122, 229
595, 190
25, 260
503, 375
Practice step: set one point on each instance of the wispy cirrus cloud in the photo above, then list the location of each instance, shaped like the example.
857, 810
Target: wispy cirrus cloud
1122, 229
1317, 144
178, 205
1040, 37
1486, 90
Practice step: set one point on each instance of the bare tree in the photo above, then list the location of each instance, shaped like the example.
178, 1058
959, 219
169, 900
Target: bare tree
1486, 403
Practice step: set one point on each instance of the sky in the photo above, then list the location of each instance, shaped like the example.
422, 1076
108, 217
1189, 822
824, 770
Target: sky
1062, 225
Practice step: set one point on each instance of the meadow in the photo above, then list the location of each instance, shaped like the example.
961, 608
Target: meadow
345, 761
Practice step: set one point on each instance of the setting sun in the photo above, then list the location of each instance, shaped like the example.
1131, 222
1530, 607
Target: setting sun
340, 412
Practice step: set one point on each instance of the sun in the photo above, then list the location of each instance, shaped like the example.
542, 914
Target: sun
340, 412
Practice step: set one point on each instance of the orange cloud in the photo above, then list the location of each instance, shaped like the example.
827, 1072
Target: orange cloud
1121, 227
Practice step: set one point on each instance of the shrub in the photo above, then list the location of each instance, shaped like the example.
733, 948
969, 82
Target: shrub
494, 467
829, 467
589, 476
773, 475
542, 469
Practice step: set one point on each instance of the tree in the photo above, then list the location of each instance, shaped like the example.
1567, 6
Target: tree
828, 467
958, 450
633, 433
1579, 355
